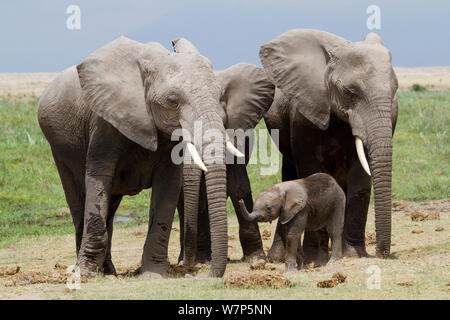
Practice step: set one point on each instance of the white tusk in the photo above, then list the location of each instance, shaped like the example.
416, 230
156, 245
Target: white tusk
195, 156
361, 155
233, 150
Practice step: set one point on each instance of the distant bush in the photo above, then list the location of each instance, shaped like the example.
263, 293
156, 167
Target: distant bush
418, 88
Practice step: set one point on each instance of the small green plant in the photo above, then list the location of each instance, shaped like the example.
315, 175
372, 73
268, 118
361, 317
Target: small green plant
418, 88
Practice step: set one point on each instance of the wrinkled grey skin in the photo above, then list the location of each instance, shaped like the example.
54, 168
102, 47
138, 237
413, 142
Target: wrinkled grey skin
109, 121
248, 97
311, 204
330, 91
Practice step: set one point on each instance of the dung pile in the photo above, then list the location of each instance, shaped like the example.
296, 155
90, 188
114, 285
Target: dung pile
9, 271
251, 280
420, 216
266, 234
33, 277
337, 278
177, 271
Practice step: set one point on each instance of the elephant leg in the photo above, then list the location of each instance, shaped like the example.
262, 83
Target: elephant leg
277, 251
322, 248
293, 232
75, 197
358, 198
238, 185
166, 187
108, 266
95, 236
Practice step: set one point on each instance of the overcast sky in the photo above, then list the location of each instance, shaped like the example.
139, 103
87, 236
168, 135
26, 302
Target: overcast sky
35, 37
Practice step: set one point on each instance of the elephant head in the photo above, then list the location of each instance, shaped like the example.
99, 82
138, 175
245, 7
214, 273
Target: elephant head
246, 94
320, 74
146, 93
282, 201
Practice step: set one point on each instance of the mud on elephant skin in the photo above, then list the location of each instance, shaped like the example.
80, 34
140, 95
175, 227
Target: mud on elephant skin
109, 122
336, 109
313, 204
247, 95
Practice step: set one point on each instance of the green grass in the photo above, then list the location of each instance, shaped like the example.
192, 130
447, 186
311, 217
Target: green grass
421, 146
32, 200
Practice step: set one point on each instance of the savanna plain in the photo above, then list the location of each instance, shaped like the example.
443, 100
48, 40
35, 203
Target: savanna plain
37, 240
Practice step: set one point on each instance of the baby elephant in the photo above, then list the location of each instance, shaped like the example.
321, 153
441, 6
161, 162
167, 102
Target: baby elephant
311, 204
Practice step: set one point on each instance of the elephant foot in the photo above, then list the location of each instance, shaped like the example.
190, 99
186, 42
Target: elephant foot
108, 268
203, 257
256, 255
88, 269
290, 268
277, 252
358, 251
157, 271
151, 275
320, 263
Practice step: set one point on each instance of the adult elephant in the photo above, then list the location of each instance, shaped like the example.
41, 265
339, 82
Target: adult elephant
109, 122
248, 94
332, 94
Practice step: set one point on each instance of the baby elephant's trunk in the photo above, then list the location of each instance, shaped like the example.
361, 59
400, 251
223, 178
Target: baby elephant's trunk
247, 216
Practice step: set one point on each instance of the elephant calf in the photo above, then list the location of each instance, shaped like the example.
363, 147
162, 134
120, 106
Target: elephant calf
311, 204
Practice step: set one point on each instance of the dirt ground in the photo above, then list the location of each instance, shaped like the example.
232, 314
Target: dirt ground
417, 269
29, 84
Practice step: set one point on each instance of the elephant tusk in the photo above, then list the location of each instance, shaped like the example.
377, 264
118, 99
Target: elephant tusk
361, 155
195, 156
232, 149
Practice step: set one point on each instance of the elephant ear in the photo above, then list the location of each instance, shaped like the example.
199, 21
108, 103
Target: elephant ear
373, 37
394, 114
247, 94
295, 199
112, 86
296, 62
182, 45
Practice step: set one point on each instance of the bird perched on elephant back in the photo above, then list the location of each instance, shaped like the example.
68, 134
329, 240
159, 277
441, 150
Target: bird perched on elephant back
247, 97
110, 122
336, 109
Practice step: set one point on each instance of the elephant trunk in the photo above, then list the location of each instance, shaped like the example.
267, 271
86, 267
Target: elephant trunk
247, 216
213, 149
191, 188
380, 158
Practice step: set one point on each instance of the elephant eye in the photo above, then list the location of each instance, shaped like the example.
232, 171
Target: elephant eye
268, 208
173, 101
349, 91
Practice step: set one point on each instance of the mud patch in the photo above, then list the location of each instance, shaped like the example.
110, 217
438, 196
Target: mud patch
417, 231
261, 279
337, 278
